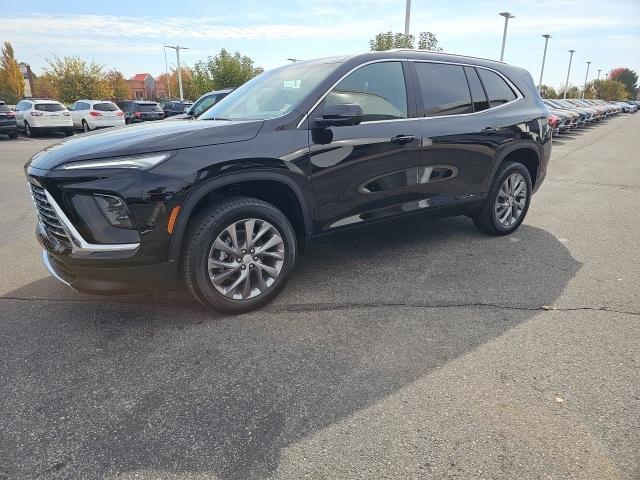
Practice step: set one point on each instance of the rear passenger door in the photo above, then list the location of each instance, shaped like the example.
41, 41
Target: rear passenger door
460, 129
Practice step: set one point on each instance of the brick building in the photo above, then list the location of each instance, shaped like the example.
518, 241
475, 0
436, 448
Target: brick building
142, 86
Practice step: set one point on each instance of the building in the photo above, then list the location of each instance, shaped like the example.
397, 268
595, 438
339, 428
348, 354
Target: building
25, 69
142, 86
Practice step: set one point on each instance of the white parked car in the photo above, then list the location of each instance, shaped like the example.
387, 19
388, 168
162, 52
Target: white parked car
35, 116
88, 115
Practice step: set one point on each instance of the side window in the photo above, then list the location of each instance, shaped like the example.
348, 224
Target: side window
378, 88
85, 106
203, 105
478, 96
497, 89
444, 89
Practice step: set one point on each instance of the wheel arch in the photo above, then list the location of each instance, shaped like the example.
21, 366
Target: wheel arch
528, 155
285, 191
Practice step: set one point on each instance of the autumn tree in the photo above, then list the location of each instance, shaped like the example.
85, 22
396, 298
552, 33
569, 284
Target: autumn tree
572, 92
609, 89
45, 86
75, 78
225, 70
627, 77
390, 40
117, 83
11, 79
548, 92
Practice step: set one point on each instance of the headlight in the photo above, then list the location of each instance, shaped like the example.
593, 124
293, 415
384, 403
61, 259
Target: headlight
138, 162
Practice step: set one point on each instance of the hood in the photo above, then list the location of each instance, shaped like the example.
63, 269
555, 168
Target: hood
145, 138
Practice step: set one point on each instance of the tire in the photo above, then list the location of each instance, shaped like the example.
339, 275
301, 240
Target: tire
13, 135
85, 126
28, 131
68, 132
209, 229
489, 218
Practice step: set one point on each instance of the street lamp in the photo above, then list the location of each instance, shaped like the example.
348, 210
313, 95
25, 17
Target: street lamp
177, 48
407, 18
294, 60
566, 84
599, 70
544, 57
506, 16
606, 76
584, 89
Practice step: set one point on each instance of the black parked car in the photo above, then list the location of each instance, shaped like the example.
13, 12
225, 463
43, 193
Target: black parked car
8, 124
203, 103
300, 155
140, 111
172, 108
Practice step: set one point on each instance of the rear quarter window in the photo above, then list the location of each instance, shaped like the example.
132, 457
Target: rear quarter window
497, 89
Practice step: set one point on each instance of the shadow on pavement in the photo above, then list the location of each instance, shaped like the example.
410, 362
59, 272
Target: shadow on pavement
147, 384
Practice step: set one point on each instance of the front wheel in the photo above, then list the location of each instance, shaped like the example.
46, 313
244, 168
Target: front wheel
238, 254
508, 201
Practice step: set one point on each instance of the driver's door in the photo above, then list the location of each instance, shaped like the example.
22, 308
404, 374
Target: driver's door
366, 172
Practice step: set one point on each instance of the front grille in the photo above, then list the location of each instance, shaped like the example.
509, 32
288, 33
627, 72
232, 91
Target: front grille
47, 216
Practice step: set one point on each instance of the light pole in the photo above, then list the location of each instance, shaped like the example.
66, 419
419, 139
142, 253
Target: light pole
566, 84
166, 71
606, 76
544, 57
294, 60
586, 75
177, 48
506, 16
407, 18
599, 70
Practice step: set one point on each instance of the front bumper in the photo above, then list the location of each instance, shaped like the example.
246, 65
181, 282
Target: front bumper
112, 280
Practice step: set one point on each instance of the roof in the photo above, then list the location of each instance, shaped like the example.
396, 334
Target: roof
140, 76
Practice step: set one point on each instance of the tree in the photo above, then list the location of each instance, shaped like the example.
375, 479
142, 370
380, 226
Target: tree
225, 70
45, 86
608, 89
627, 77
389, 40
74, 78
11, 79
572, 92
548, 92
117, 83
174, 87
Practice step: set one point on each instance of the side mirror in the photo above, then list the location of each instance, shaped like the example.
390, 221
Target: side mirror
187, 110
340, 115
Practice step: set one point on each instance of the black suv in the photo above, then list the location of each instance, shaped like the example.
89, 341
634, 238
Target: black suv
140, 111
202, 104
301, 155
8, 124
172, 108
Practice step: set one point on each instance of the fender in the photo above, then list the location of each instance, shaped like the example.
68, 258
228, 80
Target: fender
209, 186
502, 153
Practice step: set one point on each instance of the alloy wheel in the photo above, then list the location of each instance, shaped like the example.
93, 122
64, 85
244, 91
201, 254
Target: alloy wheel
246, 259
511, 200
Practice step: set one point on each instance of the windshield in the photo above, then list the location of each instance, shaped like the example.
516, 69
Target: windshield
271, 94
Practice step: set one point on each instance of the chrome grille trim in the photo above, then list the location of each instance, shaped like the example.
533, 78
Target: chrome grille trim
47, 216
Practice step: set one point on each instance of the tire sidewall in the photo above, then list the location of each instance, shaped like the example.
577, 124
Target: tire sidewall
509, 169
204, 240
85, 126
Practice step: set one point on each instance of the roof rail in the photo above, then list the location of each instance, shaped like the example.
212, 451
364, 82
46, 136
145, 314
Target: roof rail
441, 53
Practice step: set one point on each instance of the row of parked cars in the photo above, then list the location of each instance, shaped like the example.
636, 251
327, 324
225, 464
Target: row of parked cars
567, 114
33, 115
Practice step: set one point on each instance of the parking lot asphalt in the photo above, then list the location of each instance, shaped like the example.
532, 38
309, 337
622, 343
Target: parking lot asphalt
429, 351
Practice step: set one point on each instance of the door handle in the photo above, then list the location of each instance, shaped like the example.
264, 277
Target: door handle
490, 130
403, 139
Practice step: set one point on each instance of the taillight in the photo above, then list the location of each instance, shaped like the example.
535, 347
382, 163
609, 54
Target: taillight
553, 121
95, 114
119, 114
11, 114
36, 114
136, 114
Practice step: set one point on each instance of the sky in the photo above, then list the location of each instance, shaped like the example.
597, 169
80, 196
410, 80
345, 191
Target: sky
129, 35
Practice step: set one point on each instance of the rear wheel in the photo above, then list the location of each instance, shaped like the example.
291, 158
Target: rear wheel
238, 254
85, 126
508, 201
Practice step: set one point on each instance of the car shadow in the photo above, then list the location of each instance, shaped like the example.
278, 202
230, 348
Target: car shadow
157, 384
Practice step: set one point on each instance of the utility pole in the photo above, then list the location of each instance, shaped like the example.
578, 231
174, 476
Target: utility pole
177, 48
166, 70
506, 16
584, 89
544, 57
407, 18
566, 84
599, 70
